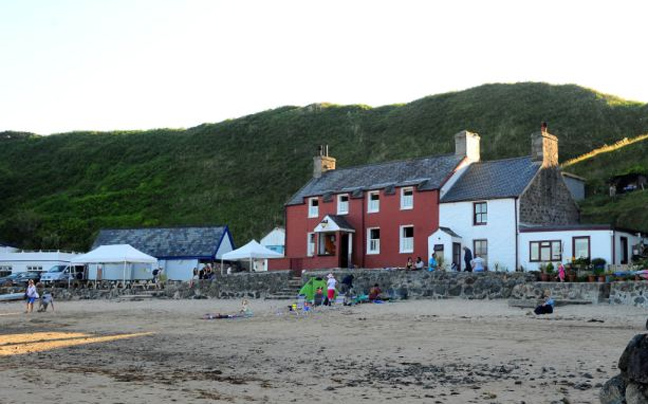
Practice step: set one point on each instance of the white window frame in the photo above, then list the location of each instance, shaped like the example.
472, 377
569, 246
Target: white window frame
404, 248
403, 204
340, 204
373, 208
310, 246
313, 211
375, 244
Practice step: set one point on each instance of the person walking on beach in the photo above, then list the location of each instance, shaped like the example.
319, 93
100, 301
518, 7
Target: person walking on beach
46, 300
31, 295
467, 259
561, 272
330, 288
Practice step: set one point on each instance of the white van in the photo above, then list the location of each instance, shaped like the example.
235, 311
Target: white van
63, 273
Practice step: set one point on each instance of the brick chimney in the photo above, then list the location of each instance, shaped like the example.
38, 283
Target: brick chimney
467, 145
544, 147
322, 162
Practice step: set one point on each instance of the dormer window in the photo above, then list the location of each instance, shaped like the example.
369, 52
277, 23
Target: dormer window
343, 204
313, 207
407, 198
373, 202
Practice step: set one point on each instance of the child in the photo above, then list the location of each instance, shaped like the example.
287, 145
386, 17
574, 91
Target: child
561, 272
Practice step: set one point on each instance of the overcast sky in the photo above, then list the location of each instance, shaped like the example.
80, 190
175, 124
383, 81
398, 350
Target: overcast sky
140, 64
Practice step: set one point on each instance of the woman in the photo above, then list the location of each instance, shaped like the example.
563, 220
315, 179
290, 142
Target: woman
419, 263
547, 305
32, 295
410, 264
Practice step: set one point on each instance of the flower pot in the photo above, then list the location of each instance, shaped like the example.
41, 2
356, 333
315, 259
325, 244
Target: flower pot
571, 278
544, 277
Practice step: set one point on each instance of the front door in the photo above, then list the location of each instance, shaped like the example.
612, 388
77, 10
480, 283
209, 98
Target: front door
456, 255
624, 250
344, 250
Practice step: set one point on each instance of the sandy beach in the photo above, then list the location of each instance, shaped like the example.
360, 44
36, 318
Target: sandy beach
422, 351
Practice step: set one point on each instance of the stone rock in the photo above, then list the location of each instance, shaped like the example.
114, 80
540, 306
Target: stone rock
636, 394
613, 391
634, 360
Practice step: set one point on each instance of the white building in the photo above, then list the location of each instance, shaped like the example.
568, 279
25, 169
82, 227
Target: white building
22, 261
519, 213
275, 240
178, 249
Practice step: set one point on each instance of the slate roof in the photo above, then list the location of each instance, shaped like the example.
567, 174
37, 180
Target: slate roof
341, 222
425, 173
168, 242
493, 179
449, 231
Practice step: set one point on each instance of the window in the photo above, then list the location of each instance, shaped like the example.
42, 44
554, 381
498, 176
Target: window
480, 247
373, 202
545, 251
407, 239
373, 241
581, 247
343, 204
313, 207
310, 244
34, 268
480, 213
326, 244
407, 198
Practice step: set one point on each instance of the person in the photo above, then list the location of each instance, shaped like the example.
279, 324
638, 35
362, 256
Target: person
245, 308
156, 277
347, 284
547, 306
46, 300
161, 279
229, 269
374, 293
467, 259
478, 264
419, 263
201, 273
432, 264
31, 295
410, 264
330, 288
561, 272
194, 277
318, 299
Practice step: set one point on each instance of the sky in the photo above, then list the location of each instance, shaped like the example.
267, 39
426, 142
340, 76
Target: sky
69, 65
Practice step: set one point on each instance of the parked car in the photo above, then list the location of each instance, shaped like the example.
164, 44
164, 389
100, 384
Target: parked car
60, 273
20, 278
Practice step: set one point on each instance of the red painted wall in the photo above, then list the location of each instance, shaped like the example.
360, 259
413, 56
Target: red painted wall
424, 216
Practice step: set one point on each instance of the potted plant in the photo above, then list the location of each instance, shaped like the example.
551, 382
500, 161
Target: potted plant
570, 273
544, 276
549, 269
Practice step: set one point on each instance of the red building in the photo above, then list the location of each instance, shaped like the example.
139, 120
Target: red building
370, 216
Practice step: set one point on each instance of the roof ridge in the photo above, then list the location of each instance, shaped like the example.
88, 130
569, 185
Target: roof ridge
164, 227
506, 159
389, 162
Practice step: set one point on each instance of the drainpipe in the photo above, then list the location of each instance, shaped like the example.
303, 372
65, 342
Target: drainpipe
517, 258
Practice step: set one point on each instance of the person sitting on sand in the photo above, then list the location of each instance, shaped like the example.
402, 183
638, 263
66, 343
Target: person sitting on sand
374, 293
46, 299
547, 306
245, 308
318, 299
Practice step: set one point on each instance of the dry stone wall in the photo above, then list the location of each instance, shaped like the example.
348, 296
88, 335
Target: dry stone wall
629, 293
547, 201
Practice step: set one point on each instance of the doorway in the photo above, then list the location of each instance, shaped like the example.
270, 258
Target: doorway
344, 250
456, 256
624, 250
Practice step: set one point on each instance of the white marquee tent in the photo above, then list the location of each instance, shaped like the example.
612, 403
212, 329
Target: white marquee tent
116, 254
251, 251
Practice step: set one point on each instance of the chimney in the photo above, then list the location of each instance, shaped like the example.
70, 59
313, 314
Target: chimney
544, 147
322, 162
467, 145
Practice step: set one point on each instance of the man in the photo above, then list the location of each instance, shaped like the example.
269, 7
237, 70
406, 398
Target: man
468, 259
45, 300
478, 264
347, 284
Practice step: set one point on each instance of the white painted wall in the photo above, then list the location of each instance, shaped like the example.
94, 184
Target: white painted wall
20, 261
633, 239
7, 249
600, 244
225, 247
499, 231
445, 239
179, 270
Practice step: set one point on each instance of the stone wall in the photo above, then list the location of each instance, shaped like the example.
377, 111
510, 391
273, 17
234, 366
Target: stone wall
240, 285
434, 285
575, 292
548, 201
629, 293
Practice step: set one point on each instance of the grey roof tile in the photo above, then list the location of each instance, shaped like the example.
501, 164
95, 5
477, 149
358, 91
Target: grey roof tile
167, 241
426, 173
493, 179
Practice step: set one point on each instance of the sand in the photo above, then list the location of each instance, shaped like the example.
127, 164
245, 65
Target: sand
424, 351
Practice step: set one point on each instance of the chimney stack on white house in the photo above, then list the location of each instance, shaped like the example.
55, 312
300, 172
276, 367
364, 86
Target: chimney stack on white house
467, 145
544, 147
322, 162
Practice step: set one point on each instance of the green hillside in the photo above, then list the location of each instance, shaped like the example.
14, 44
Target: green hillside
625, 210
58, 190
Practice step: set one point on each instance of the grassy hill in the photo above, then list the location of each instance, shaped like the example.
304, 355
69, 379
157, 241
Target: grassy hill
58, 190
